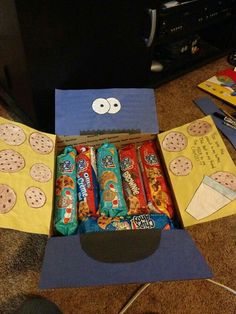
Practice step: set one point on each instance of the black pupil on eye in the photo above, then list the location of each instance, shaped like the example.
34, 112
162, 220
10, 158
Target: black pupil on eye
115, 105
102, 105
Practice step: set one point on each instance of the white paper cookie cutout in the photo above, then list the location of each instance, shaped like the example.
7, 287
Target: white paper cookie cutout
12, 134
115, 105
40, 172
181, 166
100, 106
11, 161
35, 197
7, 198
41, 143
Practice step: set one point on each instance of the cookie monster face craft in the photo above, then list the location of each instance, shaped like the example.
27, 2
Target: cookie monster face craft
99, 111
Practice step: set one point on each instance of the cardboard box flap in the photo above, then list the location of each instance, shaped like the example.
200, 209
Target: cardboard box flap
27, 159
105, 110
197, 161
67, 265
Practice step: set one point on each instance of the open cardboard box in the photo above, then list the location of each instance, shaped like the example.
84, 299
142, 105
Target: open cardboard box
122, 256
160, 255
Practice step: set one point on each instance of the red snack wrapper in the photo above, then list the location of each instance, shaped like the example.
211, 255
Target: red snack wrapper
157, 192
132, 181
86, 182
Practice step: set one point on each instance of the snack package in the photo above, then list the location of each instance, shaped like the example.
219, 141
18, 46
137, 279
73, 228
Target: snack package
112, 201
132, 181
134, 222
157, 192
87, 184
65, 219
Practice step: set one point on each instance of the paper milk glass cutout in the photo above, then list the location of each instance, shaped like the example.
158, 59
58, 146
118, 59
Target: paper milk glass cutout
110, 105
213, 193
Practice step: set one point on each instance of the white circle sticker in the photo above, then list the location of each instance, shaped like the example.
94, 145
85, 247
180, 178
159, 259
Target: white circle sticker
101, 105
115, 105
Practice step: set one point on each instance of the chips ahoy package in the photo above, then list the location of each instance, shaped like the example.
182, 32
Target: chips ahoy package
132, 181
65, 218
134, 222
112, 201
157, 191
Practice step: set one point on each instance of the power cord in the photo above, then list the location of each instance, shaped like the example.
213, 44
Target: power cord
221, 285
134, 297
144, 287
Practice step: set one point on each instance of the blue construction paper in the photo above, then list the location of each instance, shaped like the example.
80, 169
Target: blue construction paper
67, 265
74, 113
208, 107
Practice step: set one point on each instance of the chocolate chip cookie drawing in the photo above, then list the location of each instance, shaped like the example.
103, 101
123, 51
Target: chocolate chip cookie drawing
40, 143
181, 166
199, 128
175, 142
11, 161
225, 178
35, 197
40, 172
12, 134
7, 198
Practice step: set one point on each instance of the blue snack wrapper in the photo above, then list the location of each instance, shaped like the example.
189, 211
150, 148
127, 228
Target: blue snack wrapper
146, 221
65, 218
112, 203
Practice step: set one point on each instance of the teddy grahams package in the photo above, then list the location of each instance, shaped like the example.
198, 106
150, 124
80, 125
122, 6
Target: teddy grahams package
201, 171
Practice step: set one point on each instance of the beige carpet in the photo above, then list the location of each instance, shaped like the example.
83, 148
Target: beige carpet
21, 254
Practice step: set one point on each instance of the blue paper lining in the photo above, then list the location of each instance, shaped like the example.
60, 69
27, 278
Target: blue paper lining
74, 113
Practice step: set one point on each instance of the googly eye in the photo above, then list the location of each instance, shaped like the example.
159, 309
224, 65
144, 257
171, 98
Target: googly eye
115, 105
100, 105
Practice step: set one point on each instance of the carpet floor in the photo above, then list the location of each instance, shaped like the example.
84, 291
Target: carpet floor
21, 254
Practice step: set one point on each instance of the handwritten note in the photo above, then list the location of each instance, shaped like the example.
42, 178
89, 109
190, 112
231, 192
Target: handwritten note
207, 151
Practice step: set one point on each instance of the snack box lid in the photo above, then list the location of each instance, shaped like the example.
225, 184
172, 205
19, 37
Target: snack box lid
99, 111
67, 264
